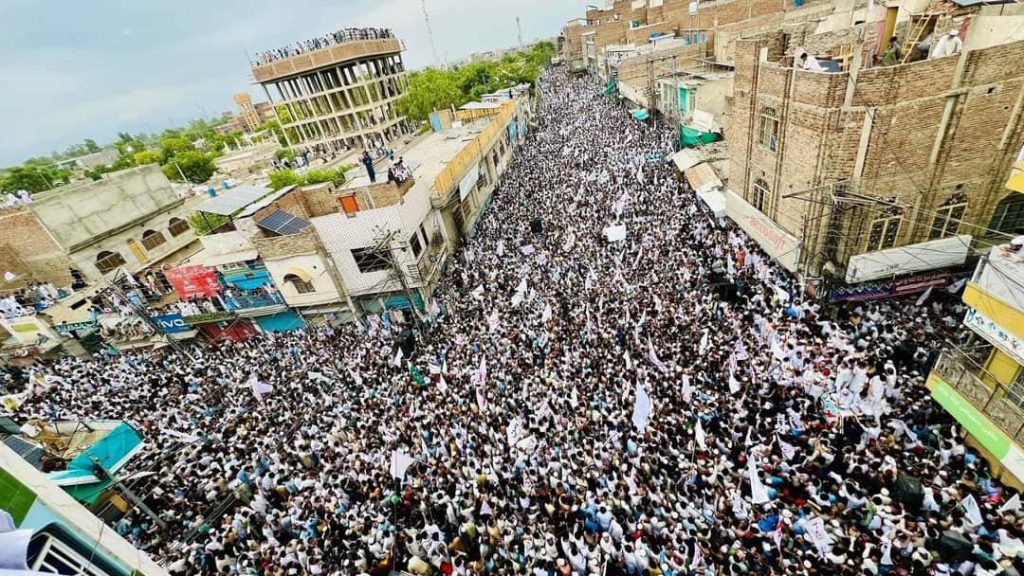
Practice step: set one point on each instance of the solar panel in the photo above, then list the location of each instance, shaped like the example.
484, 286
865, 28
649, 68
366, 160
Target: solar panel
283, 223
30, 452
233, 200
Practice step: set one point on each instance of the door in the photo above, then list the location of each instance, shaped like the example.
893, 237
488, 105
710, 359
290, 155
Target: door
138, 250
999, 368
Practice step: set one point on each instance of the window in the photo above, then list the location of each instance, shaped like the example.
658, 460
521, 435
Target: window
301, 286
761, 196
151, 239
107, 261
415, 244
1009, 215
884, 232
370, 260
769, 134
177, 227
947, 221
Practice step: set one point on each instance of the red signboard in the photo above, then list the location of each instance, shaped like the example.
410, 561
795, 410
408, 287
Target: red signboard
193, 281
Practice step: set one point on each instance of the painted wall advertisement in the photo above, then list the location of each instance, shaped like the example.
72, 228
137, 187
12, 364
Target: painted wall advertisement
193, 281
984, 431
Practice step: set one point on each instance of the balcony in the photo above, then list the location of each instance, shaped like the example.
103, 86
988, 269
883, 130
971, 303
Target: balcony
993, 400
254, 305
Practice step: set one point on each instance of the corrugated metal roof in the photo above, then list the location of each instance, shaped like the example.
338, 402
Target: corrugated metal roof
233, 200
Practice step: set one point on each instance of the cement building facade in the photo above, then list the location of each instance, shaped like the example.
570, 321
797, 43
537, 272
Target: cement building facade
340, 97
873, 158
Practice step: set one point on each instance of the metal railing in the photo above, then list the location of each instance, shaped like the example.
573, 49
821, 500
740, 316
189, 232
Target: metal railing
993, 400
250, 302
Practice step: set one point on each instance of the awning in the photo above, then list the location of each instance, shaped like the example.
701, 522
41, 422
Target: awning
715, 201
702, 178
686, 159
610, 88
640, 114
112, 452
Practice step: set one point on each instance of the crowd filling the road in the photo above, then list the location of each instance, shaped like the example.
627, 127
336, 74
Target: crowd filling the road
665, 404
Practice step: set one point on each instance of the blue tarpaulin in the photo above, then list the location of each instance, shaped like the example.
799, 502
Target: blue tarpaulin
112, 452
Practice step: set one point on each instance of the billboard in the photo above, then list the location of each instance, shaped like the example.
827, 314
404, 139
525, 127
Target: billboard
172, 323
773, 239
919, 257
193, 281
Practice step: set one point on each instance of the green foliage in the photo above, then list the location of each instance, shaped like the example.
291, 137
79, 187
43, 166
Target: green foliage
32, 177
283, 178
434, 89
171, 146
203, 224
196, 167
148, 157
285, 154
336, 177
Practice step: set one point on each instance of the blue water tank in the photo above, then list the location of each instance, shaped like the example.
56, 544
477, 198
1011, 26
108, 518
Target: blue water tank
211, 192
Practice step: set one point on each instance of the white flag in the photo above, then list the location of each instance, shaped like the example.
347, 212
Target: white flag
971, 510
1011, 505
698, 432
355, 377
398, 357
777, 350
493, 322
517, 299
734, 384
956, 286
641, 408
818, 536
522, 286
703, 343
478, 292
788, 450
400, 462
653, 357
442, 386
546, 315
924, 297
516, 431
259, 388
501, 248
480, 374
758, 492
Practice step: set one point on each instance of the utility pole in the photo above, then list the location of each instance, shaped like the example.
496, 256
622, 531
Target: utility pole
332, 271
430, 32
519, 28
384, 246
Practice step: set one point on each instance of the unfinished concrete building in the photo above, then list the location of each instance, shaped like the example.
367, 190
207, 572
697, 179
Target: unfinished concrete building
857, 171
340, 96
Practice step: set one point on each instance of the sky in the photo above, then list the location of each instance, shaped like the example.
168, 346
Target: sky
74, 70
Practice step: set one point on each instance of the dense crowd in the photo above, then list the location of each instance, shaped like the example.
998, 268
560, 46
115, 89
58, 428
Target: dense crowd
333, 39
665, 404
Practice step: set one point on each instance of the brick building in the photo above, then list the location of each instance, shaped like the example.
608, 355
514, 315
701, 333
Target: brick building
831, 170
130, 219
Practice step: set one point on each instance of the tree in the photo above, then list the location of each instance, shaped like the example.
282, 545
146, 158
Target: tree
284, 178
171, 146
148, 157
205, 223
91, 146
336, 177
430, 90
196, 166
32, 178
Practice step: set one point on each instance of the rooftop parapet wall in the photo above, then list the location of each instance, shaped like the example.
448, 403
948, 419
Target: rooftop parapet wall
325, 57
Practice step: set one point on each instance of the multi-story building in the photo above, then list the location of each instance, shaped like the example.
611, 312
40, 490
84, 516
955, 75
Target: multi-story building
250, 119
338, 96
66, 538
859, 172
982, 385
131, 220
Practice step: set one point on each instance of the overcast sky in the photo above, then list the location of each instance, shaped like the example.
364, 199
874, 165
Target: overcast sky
89, 69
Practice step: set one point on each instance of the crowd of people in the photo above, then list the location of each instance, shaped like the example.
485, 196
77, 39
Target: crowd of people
333, 39
34, 297
667, 404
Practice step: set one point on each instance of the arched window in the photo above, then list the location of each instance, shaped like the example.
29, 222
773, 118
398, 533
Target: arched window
1009, 215
151, 239
177, 227
107, 261
761, 196
301, 286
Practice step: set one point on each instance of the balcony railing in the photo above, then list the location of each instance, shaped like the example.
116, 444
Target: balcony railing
234, 303
962, 373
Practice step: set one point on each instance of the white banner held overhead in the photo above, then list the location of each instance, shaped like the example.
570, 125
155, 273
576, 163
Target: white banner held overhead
400, 463
642, 408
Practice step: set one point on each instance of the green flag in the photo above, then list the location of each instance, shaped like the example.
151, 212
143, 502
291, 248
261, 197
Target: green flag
415, 373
